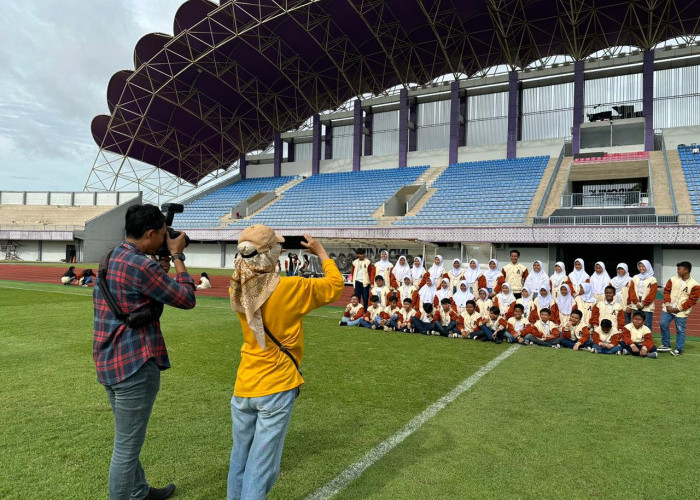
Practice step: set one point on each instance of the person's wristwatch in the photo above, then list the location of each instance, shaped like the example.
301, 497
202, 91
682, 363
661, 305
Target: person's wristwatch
178, 256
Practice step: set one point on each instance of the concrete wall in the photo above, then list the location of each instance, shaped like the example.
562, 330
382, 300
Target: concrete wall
264, 170
55, 251
105, 232
204, 254
28, 251
482, 153
681, 135
543, 147
670, 257
296, 168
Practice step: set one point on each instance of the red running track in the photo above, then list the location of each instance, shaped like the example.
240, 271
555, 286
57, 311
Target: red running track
52, 275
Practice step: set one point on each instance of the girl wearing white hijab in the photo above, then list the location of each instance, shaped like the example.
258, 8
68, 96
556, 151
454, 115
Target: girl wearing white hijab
463, 295
643, 291
456, 274
585, 303
427, 293
417, 271
558, 279
399, 272
505, 301
543, 300
537, 279
621, 282
437, 271
475, 278
444, 292
492, 274
483, 303
599, 280
525, 300
383, 268
565, 303
406, 290
578, 276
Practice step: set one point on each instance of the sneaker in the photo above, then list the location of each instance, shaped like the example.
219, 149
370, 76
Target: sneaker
340, 323
593, 351
475, 338
374, 327
160, 493
675, 352
386, 328
496, 341
664, 348
556, 346
619, 353
653, 355
623, 352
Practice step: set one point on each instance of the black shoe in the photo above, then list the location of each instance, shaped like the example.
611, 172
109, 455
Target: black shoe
496, 341
676, 352
160, 493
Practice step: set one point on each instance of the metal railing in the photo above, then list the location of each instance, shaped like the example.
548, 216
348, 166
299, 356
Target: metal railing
605, 200
613, 220
411, 202
668, 176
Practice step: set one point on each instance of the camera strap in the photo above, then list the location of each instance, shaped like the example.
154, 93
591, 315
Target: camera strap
104, 288
282, 348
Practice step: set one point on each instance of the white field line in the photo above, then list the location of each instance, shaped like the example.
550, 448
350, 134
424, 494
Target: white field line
355, 470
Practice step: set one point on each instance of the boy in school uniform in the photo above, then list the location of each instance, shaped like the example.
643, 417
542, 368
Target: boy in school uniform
606, 339
543, 332
637, 339
372, 316
608, 308
445, 323
423, 321
390, 314
353, 312
518, 325
468, 322
360, 273
680, 295
404, 316
492, 328
514, 273
575, 334
381, 290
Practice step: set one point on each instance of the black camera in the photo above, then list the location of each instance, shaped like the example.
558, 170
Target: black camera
170, 209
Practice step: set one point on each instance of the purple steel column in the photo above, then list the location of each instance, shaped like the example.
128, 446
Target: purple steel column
328, 140
579, 87
413, 128
512, 115
464, 123
243, 166
291, 150
455, 109
648, 99
403, 127
277, 169
357, 136
316, 145
369, 127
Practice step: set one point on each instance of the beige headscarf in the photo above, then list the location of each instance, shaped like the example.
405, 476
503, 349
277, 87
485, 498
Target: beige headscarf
252, 282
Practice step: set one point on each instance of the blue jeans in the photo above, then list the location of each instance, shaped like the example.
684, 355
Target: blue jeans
665, 323
490, 333
536, 340
445, 330
421, 326
259, 428
350, 322
131, 401
628, 348
602, 350
568, 343
648, 318
368, 324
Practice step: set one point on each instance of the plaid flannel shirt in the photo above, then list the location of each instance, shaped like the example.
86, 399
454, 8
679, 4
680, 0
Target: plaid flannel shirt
136, 282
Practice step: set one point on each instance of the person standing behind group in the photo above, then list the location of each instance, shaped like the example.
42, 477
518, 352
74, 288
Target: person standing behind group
475, 279
417, 272
578, 276
621, 283
537, 279
558, 279
437, 270
599, 280
361, 270
399, 272
492, 274
514, 274
383, 268
456, 275
268, 379
643, 292
680, 295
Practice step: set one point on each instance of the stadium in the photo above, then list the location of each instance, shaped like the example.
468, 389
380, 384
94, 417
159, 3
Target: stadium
463, 129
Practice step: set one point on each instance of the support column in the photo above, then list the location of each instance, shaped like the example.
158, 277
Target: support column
277, 169
328, 153
648, 99
223, 254
403, 127
316, 145
367, 131
578, 106
519, 136
413, 124
464, 122
512, 114
357, 136
243, 166
455, 112
291, 147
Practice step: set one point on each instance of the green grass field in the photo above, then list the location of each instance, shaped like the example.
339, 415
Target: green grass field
545, 423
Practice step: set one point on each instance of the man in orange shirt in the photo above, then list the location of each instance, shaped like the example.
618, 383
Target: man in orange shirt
270, 309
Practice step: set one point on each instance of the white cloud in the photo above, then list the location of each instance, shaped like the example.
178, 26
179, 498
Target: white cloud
55, 65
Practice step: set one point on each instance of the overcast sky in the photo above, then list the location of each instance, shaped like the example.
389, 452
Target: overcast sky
55, 62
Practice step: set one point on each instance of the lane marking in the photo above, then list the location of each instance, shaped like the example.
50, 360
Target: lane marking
354, 471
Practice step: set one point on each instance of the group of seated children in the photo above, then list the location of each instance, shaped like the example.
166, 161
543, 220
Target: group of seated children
81, 278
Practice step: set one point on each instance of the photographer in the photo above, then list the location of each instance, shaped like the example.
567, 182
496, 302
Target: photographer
270, 309
128, 346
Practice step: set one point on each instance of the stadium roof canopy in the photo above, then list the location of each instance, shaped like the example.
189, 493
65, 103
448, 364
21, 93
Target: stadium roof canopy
233, 74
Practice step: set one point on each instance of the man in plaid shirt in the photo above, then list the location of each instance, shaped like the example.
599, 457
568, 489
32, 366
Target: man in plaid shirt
129, 360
